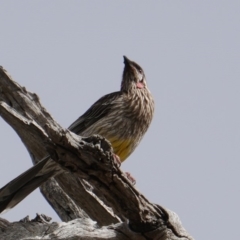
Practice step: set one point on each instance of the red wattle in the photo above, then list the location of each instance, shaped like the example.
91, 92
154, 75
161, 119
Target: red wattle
140, 85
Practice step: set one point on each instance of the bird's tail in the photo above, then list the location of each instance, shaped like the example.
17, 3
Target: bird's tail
20, 187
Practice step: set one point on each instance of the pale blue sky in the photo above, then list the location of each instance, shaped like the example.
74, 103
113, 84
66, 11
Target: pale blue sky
70, 54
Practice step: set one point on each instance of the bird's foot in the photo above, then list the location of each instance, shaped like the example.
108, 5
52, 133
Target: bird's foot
130, 178
117, 160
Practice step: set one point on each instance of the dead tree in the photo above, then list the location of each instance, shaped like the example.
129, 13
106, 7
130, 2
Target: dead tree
92, 196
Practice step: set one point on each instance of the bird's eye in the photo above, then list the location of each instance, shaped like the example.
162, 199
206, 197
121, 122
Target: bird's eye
140, 70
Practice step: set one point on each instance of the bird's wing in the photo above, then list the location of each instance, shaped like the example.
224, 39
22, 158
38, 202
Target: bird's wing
16, 190
96, 112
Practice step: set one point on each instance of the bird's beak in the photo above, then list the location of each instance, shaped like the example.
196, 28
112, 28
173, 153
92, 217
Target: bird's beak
126, 60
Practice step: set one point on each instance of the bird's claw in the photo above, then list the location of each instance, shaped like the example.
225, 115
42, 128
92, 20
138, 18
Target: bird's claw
130, 178
117, 160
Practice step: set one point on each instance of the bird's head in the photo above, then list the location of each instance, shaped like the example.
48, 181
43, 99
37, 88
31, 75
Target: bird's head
133, 76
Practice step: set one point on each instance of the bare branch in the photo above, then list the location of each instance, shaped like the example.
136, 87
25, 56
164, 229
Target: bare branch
90, 186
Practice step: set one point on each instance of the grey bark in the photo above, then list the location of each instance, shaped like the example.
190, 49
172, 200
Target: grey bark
92, 195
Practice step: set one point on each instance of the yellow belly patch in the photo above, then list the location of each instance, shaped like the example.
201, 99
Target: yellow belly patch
122, 148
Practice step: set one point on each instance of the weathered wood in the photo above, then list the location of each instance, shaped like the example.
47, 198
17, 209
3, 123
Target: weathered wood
90, 186
82, 228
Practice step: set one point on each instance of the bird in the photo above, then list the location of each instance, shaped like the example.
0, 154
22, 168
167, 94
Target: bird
122, 117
